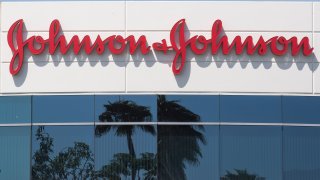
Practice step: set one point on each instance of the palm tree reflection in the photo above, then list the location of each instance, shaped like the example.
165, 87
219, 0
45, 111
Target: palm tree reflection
240, 175
177, 144
125, 164
177, 147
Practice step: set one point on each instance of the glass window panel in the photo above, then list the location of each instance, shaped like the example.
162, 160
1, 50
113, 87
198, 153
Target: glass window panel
301, 109
62, 152
15, 152
15, 109
301, 147
188, 108
188, 152
63, 108
126, 108
250, 151
250, 109
126, 151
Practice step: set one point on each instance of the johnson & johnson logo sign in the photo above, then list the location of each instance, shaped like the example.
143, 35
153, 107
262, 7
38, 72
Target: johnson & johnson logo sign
179, 43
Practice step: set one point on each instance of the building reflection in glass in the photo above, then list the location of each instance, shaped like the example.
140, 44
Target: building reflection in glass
62, 152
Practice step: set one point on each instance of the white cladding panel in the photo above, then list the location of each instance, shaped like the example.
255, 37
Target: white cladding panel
64, 77
236, 16
316, 11
222, 77
152, 73
316, 74
73, 16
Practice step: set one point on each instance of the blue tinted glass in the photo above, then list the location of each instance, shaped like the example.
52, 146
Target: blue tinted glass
188, 152
250, 151
63, 108
15, 109
301, 147
15, 152
62, 152
188, 108
301, 109
124, 151
250, 109
126, 108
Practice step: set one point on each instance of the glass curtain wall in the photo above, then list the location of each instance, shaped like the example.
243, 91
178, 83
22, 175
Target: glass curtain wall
165, 137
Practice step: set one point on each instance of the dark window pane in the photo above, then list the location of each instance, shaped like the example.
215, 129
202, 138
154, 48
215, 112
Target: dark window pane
15, 109
188, 152
126, 151
301, 109
122, 108
188, 108
301, 153
253, 151
62, 152
250, 109
63, 108
15, 152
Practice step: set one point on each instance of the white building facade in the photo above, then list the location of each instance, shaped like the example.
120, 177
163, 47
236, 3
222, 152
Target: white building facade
114, 108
